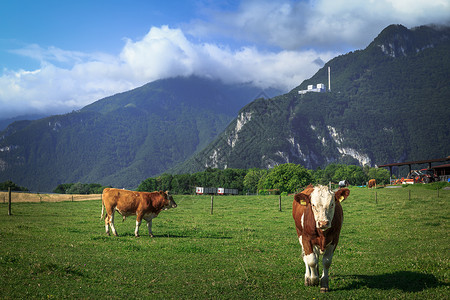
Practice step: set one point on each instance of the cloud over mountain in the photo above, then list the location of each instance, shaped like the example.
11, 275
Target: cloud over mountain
269, 43
69, 80
336, 24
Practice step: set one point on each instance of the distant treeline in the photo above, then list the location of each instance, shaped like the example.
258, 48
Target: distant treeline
286, 178
14, 187
79, 188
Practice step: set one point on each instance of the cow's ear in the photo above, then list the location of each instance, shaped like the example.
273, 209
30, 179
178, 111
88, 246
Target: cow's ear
302, 199
341, 194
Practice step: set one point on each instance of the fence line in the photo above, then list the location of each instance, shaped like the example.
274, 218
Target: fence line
17, 197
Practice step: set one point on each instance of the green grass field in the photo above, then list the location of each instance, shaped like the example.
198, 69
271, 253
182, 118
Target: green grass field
393, 249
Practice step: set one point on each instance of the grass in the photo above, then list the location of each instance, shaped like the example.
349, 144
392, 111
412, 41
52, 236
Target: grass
393, 249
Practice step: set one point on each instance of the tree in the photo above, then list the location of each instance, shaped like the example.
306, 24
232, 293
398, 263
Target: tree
14, 187
380, 175
288, 178
78, 188
353, 174
62, 188
252, 179
181, 184
164, 182
148, 185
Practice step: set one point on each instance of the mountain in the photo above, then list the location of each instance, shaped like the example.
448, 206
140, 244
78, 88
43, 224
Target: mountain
5, 122
388, 103
123, 139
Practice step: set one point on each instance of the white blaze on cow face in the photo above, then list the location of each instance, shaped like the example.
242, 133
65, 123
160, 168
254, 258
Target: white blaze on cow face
323, 204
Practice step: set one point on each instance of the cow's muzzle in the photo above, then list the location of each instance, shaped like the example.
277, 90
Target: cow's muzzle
323, 225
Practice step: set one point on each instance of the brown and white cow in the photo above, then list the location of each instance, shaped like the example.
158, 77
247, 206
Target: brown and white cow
144, 205
372, 183
318, 217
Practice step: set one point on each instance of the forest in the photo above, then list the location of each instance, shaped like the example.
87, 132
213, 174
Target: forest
284, 178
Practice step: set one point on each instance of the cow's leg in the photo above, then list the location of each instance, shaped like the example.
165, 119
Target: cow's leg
312, 274
149, 225
107, 224
109, 220
111, 223
138, 223
311, 267
327, 258
136, 231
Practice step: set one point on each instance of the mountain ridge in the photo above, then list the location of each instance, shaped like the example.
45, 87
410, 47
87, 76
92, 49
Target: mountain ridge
122, 139
376, 112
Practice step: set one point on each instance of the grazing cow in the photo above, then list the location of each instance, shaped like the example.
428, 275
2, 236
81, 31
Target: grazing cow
144, 205
343, 184
372, 183
318, 217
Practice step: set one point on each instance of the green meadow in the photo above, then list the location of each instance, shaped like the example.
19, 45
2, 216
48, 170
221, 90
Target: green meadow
394, 244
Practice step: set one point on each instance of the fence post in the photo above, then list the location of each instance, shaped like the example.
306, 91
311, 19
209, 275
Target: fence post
212, 203
376, 197
279, 203
9, 201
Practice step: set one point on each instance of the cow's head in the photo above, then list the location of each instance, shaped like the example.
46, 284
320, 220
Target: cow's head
323, 203
168, 200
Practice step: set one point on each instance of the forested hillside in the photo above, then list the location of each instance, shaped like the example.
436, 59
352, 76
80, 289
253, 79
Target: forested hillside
388, 103
122, 139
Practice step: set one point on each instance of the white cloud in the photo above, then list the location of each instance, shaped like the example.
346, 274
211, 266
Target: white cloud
162, 53
336, 24
68, 80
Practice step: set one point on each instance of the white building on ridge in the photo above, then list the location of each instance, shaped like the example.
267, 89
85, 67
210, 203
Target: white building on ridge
320, 88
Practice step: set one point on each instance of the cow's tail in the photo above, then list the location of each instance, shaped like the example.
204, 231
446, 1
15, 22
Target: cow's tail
103, 209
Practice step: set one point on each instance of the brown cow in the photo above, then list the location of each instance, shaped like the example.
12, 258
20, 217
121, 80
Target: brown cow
372, 183
318, 217
144, 205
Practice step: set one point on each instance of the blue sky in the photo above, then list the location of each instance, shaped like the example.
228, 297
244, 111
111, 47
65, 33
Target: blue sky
57, 56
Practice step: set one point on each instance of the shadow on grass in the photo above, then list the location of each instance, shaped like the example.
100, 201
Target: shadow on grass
406, 281
170, 236
203, 236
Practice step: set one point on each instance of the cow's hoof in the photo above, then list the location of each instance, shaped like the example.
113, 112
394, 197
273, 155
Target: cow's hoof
151, 235
137, 235
311, 282
324, 285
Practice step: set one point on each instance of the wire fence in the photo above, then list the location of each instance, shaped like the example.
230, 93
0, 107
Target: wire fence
17, 197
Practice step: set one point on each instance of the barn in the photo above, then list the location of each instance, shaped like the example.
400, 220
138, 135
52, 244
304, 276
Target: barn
423, 162
443, 171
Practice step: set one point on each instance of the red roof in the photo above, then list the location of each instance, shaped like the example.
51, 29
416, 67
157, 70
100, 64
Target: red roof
416, 162
441, 166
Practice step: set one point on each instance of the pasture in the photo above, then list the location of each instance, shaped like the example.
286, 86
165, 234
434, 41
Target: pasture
394, 248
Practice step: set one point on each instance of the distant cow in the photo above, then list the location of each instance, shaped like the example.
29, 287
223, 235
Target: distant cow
144, 205
318, 217
343, 183
372, 183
